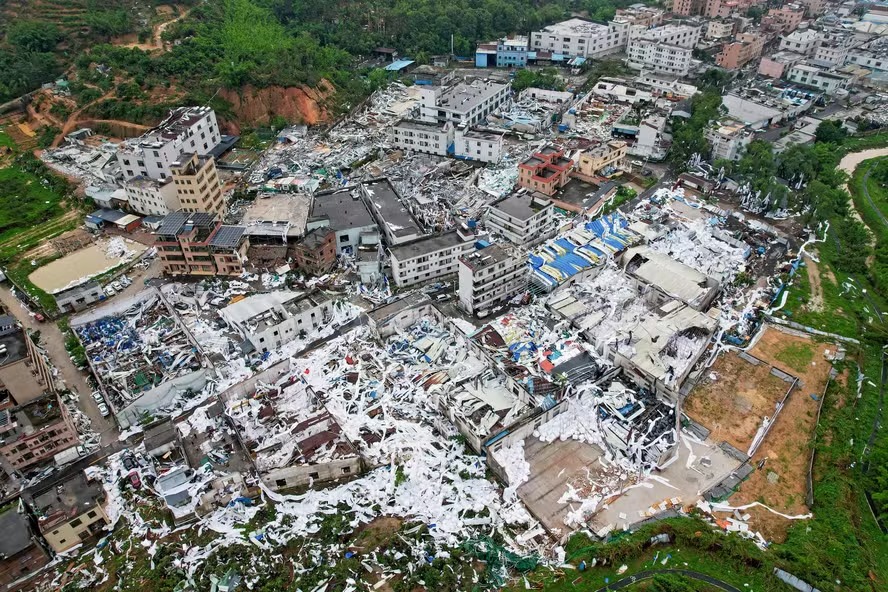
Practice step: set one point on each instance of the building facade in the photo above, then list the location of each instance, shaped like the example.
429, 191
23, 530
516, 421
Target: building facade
71, 513
478, 145
665, 50
36, 431
522, 218
511, 53
491, 276
186, 129
728, 140
343, 211
428, 258
611, 155
421, 136
546, 171
746, 48
316, 252
152, 198
197, 184
24, 374
461, 104
828, 82
578, 37
801, 41
197, 244
271, 320
21, 555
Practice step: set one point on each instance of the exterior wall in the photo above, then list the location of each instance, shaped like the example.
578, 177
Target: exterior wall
601, 41
827, 82
155, 163
786, 18
199, 258
529, 232
492, 285
277, 335
614, 155
477, 147
319, 259
42, 444
735, 55
665, 50
427, 139
719, 30
65, 535
152, 198
27, 379
803, 42
79, 298
231, 262
198, 187
830, 55
687, 7
771, 68
432, 111
511, 54
868, 60
302, 475
426, 267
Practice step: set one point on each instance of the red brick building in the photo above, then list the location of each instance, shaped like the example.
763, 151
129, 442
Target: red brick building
316, 253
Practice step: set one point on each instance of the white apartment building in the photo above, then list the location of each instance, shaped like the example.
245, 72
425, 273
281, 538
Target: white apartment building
421, 136
192, 130
428, 258
869, 59
828, 82
830, 55
152, 198
490, 276
803, 41
463, 104
578, 37
271, 320
523, 218
651, 141
719, 29
477, 145
728, 140
666, 50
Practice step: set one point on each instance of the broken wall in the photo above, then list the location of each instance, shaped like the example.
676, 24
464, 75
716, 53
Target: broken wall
161, 396
303, 475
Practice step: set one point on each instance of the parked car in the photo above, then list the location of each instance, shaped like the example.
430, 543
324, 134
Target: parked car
442, 297
109, 291
103, 409
129, 463
118, 287
134, 480
125, 281
97, 397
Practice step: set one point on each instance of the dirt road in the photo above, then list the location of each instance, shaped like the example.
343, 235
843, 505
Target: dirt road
53, 341
852, 161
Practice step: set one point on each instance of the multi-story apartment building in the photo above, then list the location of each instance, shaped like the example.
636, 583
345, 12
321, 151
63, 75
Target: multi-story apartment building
830, 54
35, 432
611, 155
197, 184
802, 41
491, 276
187, 129
652, 140
24, 374
270, 320
21, 554
578, 37
546, 171
343, 211
316, 252
643, 16
820, 78
746, 47
443, 140
719, 29
728, 140
462, 104
813, 8
197, 244
688, 7
428, 258
727, 8
71, 513
785, 19
525, 219
478, 145
511, 53
423, 136
393, 215
776, 65
152, 197
666, 49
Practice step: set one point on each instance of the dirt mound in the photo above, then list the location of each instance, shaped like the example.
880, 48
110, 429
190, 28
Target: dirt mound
297, 104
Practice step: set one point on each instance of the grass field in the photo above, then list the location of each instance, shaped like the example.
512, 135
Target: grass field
5, 140
24, 202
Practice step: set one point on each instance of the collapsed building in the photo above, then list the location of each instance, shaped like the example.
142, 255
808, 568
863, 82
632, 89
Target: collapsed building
142, 356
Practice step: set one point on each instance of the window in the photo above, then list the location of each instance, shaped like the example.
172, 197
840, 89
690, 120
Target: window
343, 238
314, 476
281, 482
346, 470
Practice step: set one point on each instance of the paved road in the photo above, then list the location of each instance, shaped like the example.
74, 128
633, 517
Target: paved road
650, 573
53, 341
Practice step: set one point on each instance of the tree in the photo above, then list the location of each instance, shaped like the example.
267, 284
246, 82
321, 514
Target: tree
830, 132
33, 36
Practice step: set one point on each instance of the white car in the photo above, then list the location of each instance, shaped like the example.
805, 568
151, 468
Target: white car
97, 397
109, 290
103, 409
117, 286
125, 281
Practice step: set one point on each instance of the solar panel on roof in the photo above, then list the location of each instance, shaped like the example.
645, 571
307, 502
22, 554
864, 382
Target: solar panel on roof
228, 236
